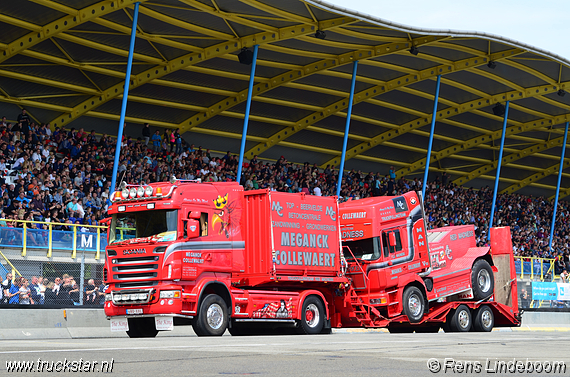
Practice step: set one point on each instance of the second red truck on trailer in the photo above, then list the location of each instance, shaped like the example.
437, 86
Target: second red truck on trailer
216, 257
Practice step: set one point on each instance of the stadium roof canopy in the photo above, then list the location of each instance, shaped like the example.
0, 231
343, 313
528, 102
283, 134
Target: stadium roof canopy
65, 61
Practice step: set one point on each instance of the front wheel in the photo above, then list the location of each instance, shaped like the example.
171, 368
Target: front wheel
414, 304
212, 317
312, 316
484, 319
482, 280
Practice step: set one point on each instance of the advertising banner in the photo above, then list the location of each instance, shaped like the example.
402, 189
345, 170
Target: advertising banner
551, 291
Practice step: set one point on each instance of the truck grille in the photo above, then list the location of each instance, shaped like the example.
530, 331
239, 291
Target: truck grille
135, 276
135, 271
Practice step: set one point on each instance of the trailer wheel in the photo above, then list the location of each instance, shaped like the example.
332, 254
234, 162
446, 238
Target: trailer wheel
212, 317
312, 316
460, 319
484, 319
482, 280
142, 328
414, 304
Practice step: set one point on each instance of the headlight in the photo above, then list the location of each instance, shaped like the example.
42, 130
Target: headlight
125, 193
108, 297
132, 192
140, 192
170, 294
143, 296
148, 191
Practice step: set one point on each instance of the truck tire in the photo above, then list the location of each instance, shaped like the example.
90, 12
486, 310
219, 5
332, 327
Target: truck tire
482, 280
212, 317
413, 302
460, 320
312, 316
483, 320
142, 328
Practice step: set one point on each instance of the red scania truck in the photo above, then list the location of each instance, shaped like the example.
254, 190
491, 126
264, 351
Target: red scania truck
217, 257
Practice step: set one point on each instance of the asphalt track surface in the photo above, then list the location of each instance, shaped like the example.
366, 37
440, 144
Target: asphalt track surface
339, 354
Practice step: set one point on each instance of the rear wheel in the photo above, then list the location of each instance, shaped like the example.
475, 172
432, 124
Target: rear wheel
212, 318
482, 280
414, 304
460, 320
312, 316
483, 320
142, 328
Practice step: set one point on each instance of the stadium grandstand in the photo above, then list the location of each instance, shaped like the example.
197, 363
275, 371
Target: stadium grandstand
306, 77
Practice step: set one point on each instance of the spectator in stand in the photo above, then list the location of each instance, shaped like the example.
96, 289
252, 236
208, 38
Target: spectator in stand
146, 133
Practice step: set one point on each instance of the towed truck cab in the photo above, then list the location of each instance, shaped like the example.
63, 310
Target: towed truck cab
386, 247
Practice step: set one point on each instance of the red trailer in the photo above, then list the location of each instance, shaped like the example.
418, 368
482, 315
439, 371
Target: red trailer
216, 257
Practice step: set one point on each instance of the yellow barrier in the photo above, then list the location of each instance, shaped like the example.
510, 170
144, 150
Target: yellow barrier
39, 224
541, 274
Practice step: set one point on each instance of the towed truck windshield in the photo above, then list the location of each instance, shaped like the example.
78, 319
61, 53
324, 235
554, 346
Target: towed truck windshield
365, 249
144, 226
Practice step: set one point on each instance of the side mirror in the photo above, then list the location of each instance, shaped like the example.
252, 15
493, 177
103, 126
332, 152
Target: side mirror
392, 237
193, 228
194, 215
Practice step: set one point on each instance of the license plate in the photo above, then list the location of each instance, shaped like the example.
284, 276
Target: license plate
134, 311
164, 323
119, 324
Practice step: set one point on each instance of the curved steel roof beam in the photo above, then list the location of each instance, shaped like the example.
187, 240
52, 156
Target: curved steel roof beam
288, 77
480, 103
536, 148
121, 28
62, 24
287, 16
240, 19
535, 177
193, 58
418, 123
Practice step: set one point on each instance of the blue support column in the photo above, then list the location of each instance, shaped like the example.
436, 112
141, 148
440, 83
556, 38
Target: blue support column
558, 187
498, 170
434, 115
125, 99
247, 108
346, 128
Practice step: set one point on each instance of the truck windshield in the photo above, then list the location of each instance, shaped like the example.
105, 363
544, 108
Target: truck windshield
365, 249
140, 226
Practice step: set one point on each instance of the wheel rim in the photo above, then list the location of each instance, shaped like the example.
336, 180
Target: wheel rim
486, 319
484, 281
415, 305
463, 319
215, 316
312, 315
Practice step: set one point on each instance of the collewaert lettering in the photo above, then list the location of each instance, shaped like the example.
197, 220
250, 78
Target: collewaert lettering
354, 215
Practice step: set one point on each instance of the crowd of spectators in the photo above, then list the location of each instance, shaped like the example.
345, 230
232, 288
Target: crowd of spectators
62, 291
63, 177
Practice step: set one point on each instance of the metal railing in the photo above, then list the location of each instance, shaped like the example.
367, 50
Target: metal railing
535, 268
43, 235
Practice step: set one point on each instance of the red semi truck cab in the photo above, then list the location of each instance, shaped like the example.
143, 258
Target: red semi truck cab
205, 253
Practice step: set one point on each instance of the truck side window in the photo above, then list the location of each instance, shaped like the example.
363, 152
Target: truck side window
386, 242
203, 224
